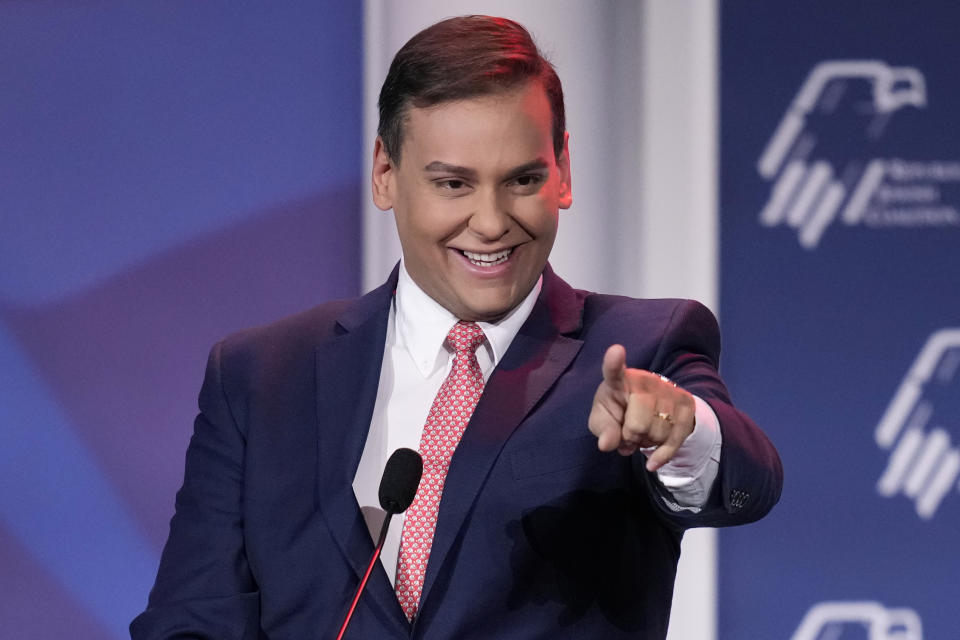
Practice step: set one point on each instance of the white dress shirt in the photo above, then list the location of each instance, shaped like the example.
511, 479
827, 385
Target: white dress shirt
415, 364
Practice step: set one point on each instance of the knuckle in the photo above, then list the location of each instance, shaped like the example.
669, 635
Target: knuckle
636, 427
643, 399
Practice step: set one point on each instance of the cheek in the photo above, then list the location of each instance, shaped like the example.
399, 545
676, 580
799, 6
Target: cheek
427, 223
540, 216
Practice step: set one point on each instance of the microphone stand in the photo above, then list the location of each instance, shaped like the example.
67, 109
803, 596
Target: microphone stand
366, 575
398, 487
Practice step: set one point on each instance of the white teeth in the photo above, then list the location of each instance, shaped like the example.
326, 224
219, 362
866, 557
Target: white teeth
488, 259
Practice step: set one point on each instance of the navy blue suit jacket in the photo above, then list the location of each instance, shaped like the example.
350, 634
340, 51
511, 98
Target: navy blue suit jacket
540, 535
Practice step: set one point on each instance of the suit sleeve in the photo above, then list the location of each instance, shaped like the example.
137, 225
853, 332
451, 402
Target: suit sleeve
204, 587
750, 476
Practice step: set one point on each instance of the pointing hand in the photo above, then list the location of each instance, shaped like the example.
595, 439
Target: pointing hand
634, 408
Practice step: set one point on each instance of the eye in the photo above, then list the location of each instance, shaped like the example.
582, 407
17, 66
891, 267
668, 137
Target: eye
451, 184
528, 182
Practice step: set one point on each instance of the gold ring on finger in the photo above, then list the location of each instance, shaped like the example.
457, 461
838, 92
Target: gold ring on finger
664, 416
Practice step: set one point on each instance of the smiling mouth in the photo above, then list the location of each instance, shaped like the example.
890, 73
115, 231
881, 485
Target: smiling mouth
487, 259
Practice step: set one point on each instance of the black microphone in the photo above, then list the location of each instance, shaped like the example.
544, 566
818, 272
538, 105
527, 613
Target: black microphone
401, 477
398, 486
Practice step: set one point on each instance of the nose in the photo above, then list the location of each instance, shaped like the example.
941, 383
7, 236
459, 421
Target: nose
491, 219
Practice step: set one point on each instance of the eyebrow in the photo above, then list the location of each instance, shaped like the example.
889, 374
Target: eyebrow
537, 165
444, 167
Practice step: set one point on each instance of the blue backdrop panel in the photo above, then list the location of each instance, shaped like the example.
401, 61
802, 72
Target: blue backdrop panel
840, 273
171, 172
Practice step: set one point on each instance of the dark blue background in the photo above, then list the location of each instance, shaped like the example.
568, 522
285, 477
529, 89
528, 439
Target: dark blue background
817, 342
169, 172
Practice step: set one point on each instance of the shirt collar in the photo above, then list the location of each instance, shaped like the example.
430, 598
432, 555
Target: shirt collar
422, 324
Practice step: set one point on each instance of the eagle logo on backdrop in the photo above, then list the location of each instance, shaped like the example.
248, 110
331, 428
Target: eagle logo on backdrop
839, 620
824, 161
916, 428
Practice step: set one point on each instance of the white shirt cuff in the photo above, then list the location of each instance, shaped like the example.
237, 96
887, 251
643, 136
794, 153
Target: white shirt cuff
689, 476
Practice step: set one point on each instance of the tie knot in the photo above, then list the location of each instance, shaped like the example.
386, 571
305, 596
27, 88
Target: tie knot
465, 337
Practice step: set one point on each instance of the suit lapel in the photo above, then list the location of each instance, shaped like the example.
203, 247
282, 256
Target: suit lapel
348, 374
537, 357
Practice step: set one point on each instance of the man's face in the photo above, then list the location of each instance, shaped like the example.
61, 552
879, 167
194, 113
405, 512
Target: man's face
475, 196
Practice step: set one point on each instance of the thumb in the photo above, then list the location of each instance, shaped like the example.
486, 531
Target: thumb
614, 366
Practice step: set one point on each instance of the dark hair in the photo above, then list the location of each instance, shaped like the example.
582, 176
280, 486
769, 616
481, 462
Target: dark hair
462, 58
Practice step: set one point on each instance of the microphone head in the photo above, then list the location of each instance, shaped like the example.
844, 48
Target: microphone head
401, 477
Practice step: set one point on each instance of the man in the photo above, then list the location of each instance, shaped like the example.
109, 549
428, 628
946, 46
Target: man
560, 470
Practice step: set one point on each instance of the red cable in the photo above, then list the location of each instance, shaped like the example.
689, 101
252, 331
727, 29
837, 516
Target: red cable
363, 582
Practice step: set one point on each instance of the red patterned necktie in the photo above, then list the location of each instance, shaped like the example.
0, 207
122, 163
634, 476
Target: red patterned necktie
448, 417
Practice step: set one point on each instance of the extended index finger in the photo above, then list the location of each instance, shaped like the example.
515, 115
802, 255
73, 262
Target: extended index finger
614, 366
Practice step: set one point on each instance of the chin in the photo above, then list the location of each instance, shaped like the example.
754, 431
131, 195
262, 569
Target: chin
485, 303
488, 313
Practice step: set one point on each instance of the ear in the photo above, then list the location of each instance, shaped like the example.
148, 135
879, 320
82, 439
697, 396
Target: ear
382, 177
566, 178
